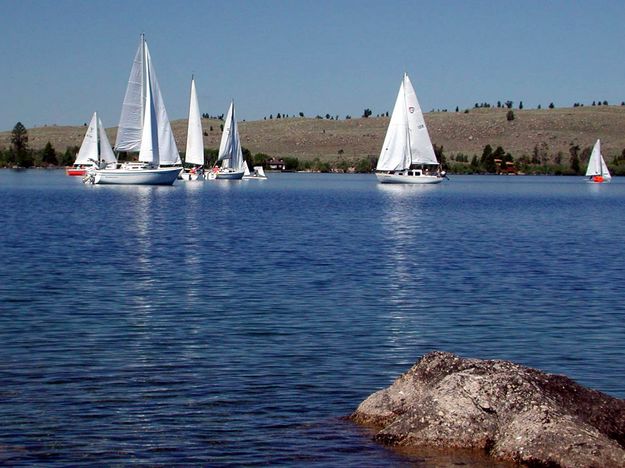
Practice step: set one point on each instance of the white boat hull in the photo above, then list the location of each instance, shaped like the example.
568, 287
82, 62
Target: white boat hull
404, 178
190, 176
226, 175
156, 176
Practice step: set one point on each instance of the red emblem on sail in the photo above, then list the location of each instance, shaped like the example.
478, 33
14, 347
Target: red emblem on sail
411, 109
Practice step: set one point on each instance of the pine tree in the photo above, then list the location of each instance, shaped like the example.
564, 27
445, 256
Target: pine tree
474, 162
19, 142
19, 138
574, 160
49, 155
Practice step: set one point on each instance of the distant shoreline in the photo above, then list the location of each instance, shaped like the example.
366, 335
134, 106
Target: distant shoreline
59, 168
542, 135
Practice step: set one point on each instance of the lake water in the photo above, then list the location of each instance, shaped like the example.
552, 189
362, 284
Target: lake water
236, 323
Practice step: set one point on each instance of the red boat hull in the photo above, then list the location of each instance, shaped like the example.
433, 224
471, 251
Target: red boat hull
74, 171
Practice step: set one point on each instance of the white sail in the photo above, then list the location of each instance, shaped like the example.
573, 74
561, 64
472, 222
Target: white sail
130, 126
596, 164
88, 151
225, 142
149, 151
168, 153
194, 153
407, 140
420, 144
106, 152
95, 146
230, 153
395, 154
246, 169
605, 170
132, 120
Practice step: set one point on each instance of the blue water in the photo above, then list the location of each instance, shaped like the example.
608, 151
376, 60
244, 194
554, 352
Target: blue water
236, 323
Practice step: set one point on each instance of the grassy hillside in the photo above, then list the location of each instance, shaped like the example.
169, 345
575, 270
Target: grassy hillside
308, 138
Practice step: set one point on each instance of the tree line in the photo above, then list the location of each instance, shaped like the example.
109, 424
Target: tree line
540, 161
19, 154
492, 161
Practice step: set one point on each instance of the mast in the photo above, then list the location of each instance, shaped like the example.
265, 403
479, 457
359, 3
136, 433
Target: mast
149, 151
97, 137
130, 125
144, 77
407, 122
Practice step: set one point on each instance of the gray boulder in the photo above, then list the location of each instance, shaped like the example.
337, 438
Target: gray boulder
511, 412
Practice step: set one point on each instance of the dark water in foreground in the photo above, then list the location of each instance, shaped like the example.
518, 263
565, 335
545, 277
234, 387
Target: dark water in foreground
235, 323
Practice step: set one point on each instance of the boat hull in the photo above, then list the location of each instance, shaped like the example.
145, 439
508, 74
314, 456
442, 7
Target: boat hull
598, 180
157, 176
188, 176
387, 178
75, 171
228, 175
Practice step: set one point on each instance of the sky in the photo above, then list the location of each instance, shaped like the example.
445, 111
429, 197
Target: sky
64, 59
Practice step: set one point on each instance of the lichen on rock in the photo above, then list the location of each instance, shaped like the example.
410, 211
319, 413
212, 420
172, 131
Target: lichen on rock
509, 411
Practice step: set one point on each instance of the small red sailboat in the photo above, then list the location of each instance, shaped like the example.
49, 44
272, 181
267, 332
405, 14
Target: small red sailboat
95, 150
597, 171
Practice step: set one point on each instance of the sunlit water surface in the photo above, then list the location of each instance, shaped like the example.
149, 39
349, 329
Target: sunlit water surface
237, 323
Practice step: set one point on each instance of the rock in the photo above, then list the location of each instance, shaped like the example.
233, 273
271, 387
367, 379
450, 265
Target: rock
513, 413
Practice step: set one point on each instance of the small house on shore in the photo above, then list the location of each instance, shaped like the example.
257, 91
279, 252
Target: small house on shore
276, 164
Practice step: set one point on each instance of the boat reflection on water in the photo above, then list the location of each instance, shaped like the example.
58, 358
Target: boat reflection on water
193, 255
409, 293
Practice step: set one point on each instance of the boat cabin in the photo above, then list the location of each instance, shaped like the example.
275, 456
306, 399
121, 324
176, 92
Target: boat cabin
414, 172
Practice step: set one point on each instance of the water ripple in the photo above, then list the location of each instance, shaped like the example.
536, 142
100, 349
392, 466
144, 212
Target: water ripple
235, 324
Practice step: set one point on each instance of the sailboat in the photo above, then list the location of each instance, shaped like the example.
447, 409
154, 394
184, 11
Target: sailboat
143, 127
195, 140
230, 154
407, 155
597, 170
258, 174
95, 150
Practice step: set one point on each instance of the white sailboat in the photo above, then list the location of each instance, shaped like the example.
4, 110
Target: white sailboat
95, 150
597, 170
230, 153
258, 174
407, 155
143, 127
194, 153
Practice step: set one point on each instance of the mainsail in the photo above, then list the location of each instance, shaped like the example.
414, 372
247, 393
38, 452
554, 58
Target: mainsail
194, 153
407, 140
143, 95
596, 164
230, 153
149, 151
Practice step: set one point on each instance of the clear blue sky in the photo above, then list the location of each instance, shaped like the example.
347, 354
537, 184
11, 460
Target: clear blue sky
64, 59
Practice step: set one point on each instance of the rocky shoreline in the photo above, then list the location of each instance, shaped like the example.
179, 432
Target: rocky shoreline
508, 411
